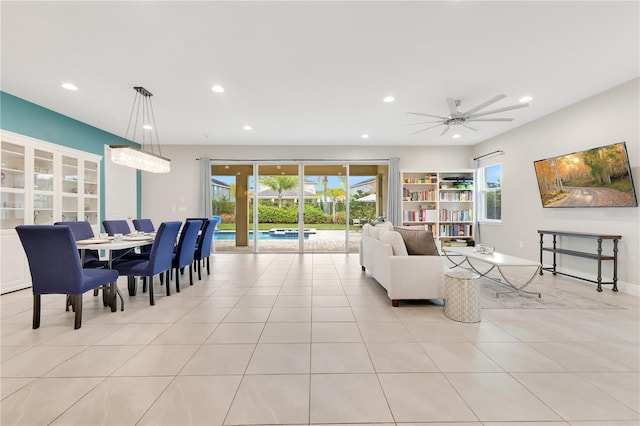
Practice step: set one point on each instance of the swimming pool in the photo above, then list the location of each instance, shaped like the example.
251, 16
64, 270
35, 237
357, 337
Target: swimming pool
272, 234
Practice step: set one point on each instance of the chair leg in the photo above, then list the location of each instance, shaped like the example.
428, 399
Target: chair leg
151, 301
208, 270
190, 274
113, 302
105, 297
68, 303
78, 321
36, 311
161, 278
177, 281
198, 269
144, 284
168, 285
131, 284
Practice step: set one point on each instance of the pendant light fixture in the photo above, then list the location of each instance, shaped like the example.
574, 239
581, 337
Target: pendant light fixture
143, 159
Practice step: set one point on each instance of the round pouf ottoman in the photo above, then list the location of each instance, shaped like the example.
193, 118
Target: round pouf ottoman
462, 295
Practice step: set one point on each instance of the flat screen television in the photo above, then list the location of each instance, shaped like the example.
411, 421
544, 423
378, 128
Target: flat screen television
597, 177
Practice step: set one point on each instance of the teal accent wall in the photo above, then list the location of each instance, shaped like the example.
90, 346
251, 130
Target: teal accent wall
29, 119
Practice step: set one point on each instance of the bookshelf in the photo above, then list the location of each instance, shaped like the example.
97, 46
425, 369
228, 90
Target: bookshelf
442, 201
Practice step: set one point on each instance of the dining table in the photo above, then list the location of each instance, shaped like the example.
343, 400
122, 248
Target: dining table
111, 245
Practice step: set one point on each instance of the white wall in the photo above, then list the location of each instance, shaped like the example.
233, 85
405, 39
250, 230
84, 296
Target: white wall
173, 196
612, 116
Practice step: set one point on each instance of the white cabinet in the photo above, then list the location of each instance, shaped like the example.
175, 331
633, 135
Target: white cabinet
42, 183
443, 201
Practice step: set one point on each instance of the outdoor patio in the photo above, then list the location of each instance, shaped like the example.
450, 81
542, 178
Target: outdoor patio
323, 241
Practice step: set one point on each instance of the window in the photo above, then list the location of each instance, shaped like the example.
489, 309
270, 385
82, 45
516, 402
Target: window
491, 192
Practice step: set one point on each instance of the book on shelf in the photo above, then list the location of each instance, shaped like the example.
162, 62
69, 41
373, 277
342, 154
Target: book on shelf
421, 180
420, 215
455, 230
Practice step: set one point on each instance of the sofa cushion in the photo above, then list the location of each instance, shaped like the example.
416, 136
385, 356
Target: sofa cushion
374, 231
394, 239
418, 241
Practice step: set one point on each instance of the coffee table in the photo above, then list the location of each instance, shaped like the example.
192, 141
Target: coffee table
497, 261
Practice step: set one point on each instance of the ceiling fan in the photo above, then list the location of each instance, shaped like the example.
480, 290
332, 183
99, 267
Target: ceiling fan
456, 117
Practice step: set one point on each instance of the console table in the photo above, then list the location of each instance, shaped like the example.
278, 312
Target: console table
595, 256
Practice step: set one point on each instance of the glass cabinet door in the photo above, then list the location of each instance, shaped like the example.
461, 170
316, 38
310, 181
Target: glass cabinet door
91, 178
12, 190
69, 175
69, 185
43, 187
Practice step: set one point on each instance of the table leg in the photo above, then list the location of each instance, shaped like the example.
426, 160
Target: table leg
615, 265
521, 288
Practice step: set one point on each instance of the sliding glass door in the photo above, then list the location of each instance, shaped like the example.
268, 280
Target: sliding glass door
277, 201
296, 206
325, 209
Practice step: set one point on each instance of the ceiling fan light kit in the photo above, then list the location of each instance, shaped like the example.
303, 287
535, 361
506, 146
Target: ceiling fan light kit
457, 118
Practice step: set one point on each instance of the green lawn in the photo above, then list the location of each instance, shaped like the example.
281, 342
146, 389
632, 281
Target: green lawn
267, 226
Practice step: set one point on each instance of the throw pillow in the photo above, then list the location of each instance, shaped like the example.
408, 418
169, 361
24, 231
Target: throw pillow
374, 232
394, 239
418, 241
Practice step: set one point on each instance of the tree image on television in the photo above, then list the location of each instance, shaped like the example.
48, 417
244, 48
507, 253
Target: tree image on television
598, 177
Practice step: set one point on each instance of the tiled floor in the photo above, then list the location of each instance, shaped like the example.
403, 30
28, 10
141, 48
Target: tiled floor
309, 339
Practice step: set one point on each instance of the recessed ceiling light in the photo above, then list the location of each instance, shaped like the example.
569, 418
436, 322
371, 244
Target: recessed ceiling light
217, 88
389, 99
226, 167
456, 136
147, 127
247, 127
525, 99
70, 86
365, 136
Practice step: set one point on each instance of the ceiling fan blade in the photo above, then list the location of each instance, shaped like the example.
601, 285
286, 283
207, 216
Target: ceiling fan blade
490, 119
452, 106
445, 130
422, 122
427, 115
494, 111
469, 127
486, 104
425, 129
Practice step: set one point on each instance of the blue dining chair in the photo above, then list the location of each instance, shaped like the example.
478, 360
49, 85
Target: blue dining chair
121, 226
55, 268
82, 230
185, 252
143, 225
159, 261
203, 248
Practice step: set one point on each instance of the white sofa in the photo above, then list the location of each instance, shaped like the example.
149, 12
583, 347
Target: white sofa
384, 255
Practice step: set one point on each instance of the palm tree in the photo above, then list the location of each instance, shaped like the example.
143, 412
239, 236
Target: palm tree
280, 184
336, 195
